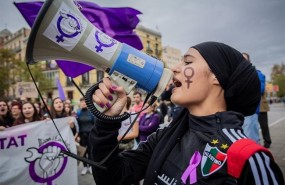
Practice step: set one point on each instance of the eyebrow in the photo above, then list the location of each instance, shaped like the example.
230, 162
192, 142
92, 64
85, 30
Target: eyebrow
188, 55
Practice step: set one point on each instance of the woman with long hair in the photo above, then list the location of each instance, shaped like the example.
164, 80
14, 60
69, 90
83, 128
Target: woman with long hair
28, 114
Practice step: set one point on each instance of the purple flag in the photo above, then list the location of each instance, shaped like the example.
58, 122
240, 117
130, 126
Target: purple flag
118, 23
60, 90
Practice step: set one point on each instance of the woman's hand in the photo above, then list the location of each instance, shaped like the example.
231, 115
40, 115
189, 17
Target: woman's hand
71, 123
2, 128
102, 97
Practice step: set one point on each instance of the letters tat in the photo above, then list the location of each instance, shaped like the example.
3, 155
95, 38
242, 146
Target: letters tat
6, 143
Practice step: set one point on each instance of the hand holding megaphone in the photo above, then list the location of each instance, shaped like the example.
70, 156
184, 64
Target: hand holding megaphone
104, 95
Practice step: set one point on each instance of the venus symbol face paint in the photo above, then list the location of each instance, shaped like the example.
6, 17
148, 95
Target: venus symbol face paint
188, 73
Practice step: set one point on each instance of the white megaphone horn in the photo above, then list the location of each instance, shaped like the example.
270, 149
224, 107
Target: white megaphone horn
62, 32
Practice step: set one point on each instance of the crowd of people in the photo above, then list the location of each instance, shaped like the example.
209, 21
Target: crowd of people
20, 111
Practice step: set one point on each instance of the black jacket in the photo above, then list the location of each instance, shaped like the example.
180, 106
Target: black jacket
165, 155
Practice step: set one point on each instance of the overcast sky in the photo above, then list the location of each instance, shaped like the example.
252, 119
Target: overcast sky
254, 26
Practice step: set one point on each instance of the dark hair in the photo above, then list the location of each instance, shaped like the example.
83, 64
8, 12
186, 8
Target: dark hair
129, 102
6, 120
137, 92
53, 111
21, 119
16, 103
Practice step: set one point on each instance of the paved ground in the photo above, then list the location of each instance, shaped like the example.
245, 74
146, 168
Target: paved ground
277, 129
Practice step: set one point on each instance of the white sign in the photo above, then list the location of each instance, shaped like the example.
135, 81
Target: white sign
101, 44
66, 28
26, 89
30, 154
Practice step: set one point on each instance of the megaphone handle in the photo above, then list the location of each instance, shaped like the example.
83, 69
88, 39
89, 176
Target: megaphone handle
98, 111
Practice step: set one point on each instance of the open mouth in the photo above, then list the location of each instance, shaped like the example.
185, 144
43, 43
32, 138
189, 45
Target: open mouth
176, 82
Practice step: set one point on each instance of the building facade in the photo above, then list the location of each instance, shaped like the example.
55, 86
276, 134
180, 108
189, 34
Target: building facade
171, 56
17, 42
151, 41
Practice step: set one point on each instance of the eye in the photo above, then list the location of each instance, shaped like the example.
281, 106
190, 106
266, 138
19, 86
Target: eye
187, 62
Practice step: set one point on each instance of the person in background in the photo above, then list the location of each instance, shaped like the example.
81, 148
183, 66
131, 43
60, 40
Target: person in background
162, 107
85, 121
57, 111
149, 122
44, 108
68, 101
29, 114
68, 109
263, 121
137, 107
251, 124
216, 88
39, 109
128, 141
6, 119
138, 103
69, 112
16, 109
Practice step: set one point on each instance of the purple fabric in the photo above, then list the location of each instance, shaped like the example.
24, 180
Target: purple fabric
116, 22
148, 125
61, 94
191, 170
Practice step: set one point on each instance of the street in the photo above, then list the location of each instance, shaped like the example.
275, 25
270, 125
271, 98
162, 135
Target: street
276, 117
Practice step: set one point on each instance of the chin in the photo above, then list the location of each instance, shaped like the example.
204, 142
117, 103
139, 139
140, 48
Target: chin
176, 99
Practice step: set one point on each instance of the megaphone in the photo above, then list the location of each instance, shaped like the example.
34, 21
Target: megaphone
62, 32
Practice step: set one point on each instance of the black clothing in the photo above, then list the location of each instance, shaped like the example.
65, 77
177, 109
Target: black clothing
236, 76
84, 141
6, 121
85, 122
263, 122
167, 152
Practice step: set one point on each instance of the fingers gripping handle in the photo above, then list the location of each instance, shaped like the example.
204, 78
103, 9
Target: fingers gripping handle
98, 111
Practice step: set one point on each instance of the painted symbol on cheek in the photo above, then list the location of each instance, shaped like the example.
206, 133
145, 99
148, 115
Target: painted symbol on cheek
189, 73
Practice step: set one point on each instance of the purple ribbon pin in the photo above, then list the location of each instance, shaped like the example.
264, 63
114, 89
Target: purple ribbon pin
191, 171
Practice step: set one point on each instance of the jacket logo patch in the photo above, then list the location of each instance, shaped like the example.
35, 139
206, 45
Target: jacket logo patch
213, 159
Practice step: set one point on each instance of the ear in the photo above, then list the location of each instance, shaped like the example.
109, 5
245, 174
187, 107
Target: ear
214, 79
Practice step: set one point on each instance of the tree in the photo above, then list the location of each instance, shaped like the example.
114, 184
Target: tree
14, 70
278, 78
7, 59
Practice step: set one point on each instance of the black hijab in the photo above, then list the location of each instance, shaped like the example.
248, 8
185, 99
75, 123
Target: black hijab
237, 77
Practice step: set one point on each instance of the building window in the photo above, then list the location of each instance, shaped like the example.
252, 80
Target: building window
85, 78
100, 75
68, 81
156, 50
49, 95
148, 44
70, 95
51, 75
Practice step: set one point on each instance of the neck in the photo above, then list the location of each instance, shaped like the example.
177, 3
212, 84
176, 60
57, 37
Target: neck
29, 119
211, 105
